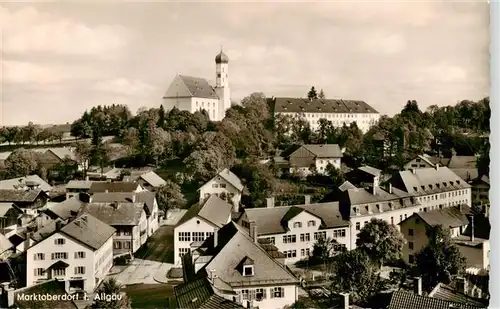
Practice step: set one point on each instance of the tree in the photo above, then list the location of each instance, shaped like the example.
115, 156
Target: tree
258, 180
380, 241
65, 170
355, 274
440, 260
335, 175
312, 95
323, 249
21, 162
321, 94
83, 153
112, 287
170, 196
131, 140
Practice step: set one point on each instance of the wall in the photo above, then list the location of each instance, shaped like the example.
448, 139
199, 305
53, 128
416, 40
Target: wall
183, 104
289, 298
363, 121
153, 219
195, 224
208, 189
417, 163
419, 238
210, 105
445, 199
48, 247
477, 256
122, 239
103, 261
480, 192
322, 163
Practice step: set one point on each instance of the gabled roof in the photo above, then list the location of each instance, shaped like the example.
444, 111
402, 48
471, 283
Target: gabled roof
370, 170
20, 195
449, 217
234, 244
52, 287
346, 186
213, 209
447, 293
14, 183
324, 150
426, 181
117, 186
230, 177
483, 179
269, 220
63, 152
199, 294
467, 174
5, 209
407, 300
89, 231
153, 179
146, 197
299, 105
66, 209
47, 230
79, 184
115, 213
462, 162
5, 243
198, 87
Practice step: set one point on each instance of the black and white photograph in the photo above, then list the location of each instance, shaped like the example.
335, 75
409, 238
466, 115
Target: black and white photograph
245, 154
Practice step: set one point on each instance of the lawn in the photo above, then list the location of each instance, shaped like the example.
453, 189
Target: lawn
150, 296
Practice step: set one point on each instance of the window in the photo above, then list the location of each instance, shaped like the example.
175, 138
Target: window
39, 256
339, 233
79, 270
260, 294
305, 237
410, 232
248, 270
127, 233
289, 239
271, 240
410, 245
218, 75
79, 255
400, 218
215, 185
185, 236
308, 252
58, 272
277, 292
290, 253
244, 294
311, 223
223, 185
297, 225
198, 236
126, 245
392, 220
302, 252
38, 272
183, 251
358, 225
59, 241
60, 255
318, 235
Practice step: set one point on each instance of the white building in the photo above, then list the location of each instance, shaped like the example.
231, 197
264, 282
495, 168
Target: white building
241, 270
129, 220
315, 157
198, 224
295, 229
193, 94
80, 253
226, 185
338, 112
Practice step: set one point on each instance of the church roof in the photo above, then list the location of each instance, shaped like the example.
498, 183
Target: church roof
199, 87
221, 58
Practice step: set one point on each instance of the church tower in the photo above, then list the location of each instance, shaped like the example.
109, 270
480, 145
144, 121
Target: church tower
222, 83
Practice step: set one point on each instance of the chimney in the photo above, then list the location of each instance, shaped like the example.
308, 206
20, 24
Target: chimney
27, 241
461, 285
307, 199
437, 166
216, 237
253, 231
417, 285
472, 228
389, 188
9, 292
59, 225
236, 206
344, 300
270, 202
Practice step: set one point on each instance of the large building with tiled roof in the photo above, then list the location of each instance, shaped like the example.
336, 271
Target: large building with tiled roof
338, 112
79, 253
408, 300
193, 94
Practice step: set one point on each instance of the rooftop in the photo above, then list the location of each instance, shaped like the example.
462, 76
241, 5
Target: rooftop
65, 209
299, 105
146, 197
408, 300
89, 231
198, 87
19, 195
448, 217
14, 183
213, 209
117, 186
198, 294
153, 179
115, 213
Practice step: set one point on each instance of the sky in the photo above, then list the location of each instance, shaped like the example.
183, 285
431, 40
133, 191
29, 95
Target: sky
60, 58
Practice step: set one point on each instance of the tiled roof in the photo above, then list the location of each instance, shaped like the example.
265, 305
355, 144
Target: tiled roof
466, 174
268, 220
325, 150
117, 186
408, 300
146, 197
63, 152
115, 213
14, 183
234, 244
231, 178
198, 87
5, 243
89, 230
67, 208
446, 292
19, 195
447, 217
462, 162
370, 170
47, 230
299, 105
485, 179
52, 287
198, 294
79, 184
153, 179
346, 185
427, 181
213, 209
5, 209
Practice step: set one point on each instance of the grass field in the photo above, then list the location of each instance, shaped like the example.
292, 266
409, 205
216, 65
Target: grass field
150, 296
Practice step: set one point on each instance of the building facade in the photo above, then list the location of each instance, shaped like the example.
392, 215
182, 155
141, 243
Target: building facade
308, 158
225, 185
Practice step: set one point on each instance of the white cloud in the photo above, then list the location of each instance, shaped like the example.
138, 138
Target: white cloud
27, 30
18, 72
384, 43
443, 73
124, 86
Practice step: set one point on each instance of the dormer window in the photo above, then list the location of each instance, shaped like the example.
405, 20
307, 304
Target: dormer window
423, 188
248, 270
458, 182
430, 187
415, 189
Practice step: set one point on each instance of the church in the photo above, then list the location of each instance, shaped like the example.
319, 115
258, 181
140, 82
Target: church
193, 94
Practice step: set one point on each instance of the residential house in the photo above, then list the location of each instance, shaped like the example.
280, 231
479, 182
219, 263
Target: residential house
3, 157
6, 247
458, 291
316, 157
425, 161
464, 166
364, 176
65, 211
434, 188
129, 220
106, 173
49, 158
199, 294
11, 217
226, 185
149, 180
75, 187
198, 224
31, 201
295, 229
147, 197
240, 269
79, 253
31, 181
473, 244
481, 189
338, 112
22, 298
117, 186
188, 93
